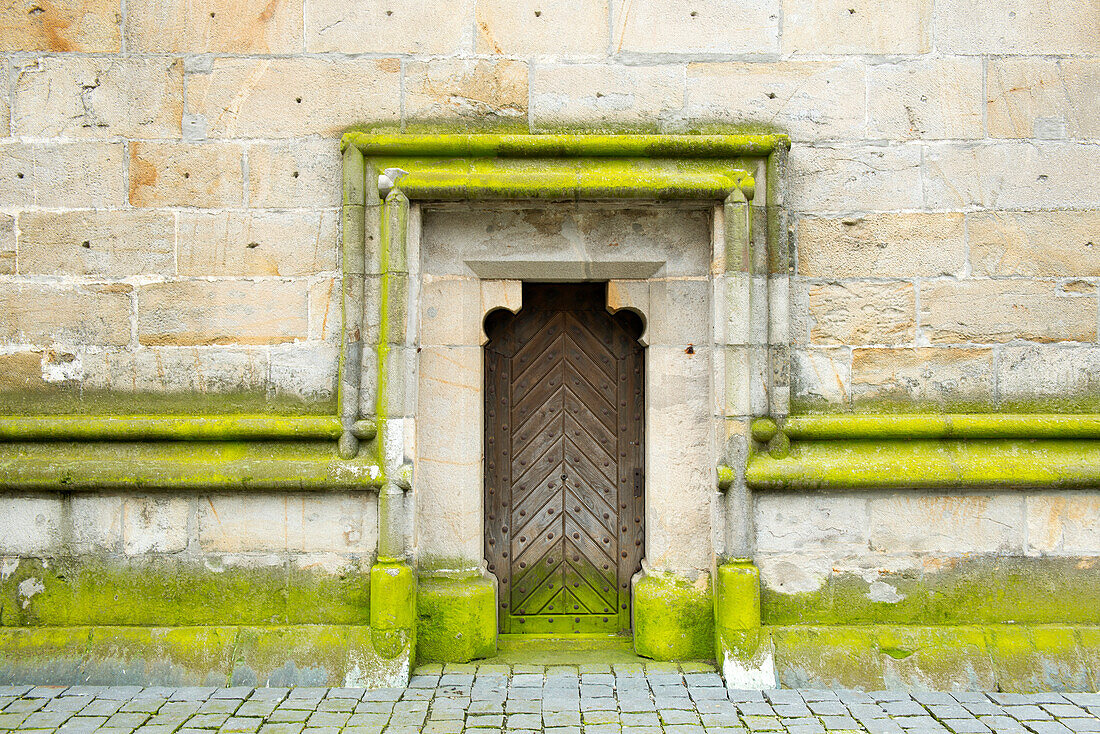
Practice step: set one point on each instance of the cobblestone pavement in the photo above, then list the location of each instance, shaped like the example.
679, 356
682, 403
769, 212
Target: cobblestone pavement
594, 699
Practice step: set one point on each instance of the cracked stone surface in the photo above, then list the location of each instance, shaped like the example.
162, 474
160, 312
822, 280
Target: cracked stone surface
688, 698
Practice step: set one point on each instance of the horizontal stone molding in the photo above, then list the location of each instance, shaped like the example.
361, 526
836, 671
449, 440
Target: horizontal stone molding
183, 466
172, 428
949, 425
565, 146
928, 463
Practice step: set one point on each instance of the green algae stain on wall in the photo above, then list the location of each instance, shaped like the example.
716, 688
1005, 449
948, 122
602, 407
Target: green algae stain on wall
980, 590
673, 617
167, 592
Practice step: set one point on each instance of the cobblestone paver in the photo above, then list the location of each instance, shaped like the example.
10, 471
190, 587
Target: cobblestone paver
566, 699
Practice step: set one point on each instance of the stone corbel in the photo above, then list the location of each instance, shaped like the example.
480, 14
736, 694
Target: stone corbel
633, 296
497, 294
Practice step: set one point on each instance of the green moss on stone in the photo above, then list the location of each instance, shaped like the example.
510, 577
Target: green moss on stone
215, 655
184, 465
1041, 658
929, 463
673, 617
171, 592
965, 591
942, 658
456, 618
828, 657
393, 593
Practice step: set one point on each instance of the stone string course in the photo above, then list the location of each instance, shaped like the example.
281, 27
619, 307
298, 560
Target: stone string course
593, 698
173, 168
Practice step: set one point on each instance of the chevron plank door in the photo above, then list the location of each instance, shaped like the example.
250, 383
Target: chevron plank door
564, 480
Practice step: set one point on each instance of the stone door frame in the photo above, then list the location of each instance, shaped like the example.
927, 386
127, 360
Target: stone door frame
382, 368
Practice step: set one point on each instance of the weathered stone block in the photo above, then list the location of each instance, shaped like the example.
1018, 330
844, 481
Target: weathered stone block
1012, 175
31, 525
1030, 27
862, 313
820, 377
682, 27
679, 459
1043, 98
295, 172
943, 376
450, 311
457, 618
809, 100
423, 27
862, 27
467, 92
155, 524
935, 98
828, 657
787, 523
1062, 376
182, 174
591, 240
1035, 243
526, 27
305, 373
945, 658
1000, 311
972, 523
87, 26
100, 97
310, 523
175, 370
189, 313
62, 175
1038, 659
212, 26
94, 523
257, 243
280, 98
449, 456
325, 310
105, 243
678, 313
42, 313
882, 245
24, 371
673, 617
842, 178
5, 102
609, 97
1063, 523
7, 244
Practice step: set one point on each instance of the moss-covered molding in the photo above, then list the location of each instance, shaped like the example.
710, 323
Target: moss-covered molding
962, 451
383, 173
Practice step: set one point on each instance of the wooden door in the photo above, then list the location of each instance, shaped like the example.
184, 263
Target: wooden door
564, 480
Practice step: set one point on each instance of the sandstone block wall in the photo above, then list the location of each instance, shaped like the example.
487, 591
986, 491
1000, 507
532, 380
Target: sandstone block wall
171, 177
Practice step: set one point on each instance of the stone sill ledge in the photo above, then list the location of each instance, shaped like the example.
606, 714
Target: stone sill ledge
183, 466
929, 463
564, 146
